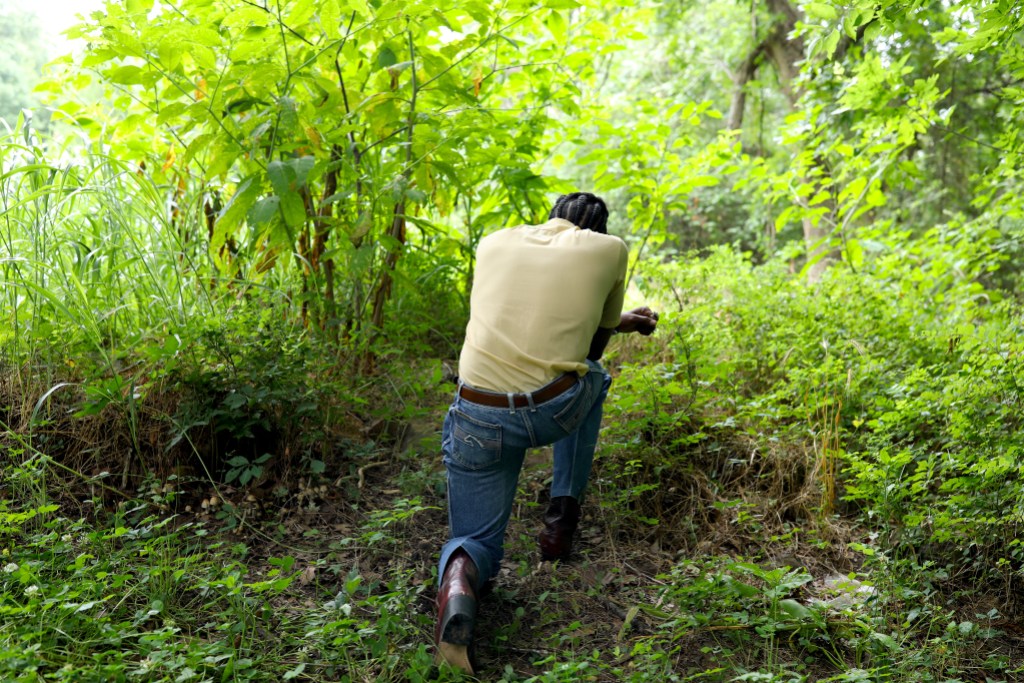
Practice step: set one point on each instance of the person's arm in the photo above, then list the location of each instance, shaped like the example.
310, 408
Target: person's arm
598, 342
641, 320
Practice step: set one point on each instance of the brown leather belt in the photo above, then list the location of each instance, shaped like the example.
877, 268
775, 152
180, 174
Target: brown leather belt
542, 395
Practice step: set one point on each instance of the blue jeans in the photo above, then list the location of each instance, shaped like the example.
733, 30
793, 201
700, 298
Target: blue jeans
484, 447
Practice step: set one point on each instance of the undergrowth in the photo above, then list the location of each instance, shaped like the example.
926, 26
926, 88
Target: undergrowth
795, 483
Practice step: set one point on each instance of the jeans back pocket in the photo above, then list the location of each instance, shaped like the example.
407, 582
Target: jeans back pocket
475, 444
572, 414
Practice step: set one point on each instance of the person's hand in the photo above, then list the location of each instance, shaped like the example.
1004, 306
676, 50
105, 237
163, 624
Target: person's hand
642, 320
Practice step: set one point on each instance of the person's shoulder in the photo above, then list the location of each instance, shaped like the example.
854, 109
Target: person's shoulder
610, 243
499, 236
510, 232
613, 250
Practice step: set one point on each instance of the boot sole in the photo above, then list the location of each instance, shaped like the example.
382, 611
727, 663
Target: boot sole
554, 558
456, 638
455, 656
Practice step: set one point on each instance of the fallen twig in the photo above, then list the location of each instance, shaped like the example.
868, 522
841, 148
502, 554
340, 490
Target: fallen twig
362, 471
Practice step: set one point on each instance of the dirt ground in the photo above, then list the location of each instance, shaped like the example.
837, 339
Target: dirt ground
536, 612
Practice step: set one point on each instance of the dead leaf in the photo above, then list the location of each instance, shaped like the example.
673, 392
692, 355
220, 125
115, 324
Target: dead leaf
308, 574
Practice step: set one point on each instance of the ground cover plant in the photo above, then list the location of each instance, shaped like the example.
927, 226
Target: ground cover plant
234, 268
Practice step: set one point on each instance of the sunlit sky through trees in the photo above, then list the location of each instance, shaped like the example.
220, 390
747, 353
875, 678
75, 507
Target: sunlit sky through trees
55, 16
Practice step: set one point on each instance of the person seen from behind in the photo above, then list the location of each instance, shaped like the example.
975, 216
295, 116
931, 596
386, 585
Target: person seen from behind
545, 301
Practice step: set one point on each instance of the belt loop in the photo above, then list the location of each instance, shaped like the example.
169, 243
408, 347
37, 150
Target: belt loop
511, 403
529, 400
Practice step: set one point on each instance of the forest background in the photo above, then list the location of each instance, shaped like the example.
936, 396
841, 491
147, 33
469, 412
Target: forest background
236, 245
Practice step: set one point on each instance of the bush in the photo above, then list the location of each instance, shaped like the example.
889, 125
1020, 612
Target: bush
906, 376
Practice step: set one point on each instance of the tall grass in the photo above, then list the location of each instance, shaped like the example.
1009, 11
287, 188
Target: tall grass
104, 277
113, 309
93, 252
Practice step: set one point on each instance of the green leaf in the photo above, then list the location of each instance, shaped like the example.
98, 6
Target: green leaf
265, 211
386, 57
204, 36
831, 42
126, 75
243, 17
875, 197
855, 252
330, 18
287, 178
556, 25
234, 212
821, 10
282, 177
886, 640
361, 7
399, 67
170, 53
171, 111
821, 197
138, 6
743, 590
627, 623
794, 609
293, 209
850, 25
294, 673
784, 217
853, 189
289, 119
299, 12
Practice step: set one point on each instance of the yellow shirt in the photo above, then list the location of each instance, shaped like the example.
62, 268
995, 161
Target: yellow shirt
539, 294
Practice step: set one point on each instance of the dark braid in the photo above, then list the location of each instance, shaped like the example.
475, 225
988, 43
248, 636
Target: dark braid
583, 209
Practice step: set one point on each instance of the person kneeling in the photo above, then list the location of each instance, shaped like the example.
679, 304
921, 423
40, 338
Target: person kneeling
544, 304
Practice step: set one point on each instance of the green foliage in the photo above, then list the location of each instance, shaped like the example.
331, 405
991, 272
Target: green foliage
920, 379
148, 598
247, 404
332, 137
924, 106
867, 116
94, 259
276, 210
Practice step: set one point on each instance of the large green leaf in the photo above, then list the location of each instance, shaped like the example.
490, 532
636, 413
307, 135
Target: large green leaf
795, 610
234, 212
288, 178
265, 211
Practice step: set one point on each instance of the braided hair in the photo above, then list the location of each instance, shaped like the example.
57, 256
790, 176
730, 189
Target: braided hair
583, 209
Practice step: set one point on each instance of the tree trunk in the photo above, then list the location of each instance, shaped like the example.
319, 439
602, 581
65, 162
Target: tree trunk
383, 292
740, 79
785, 52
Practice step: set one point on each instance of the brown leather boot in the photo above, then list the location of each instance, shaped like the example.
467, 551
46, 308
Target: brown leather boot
456, 613
560, 522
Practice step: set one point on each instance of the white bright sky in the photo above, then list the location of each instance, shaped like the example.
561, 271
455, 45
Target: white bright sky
55, 16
